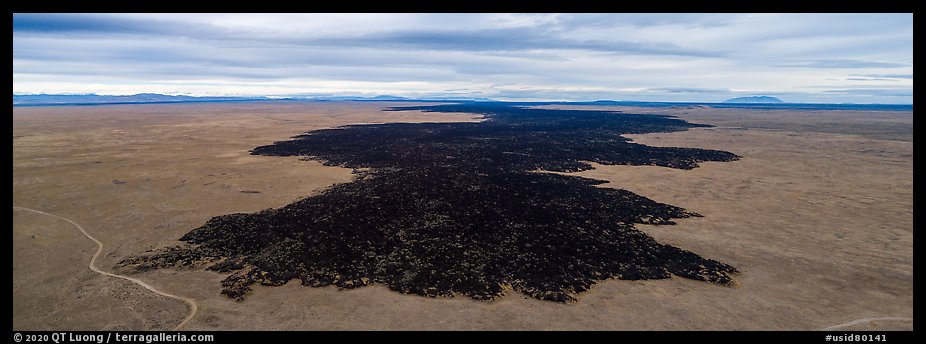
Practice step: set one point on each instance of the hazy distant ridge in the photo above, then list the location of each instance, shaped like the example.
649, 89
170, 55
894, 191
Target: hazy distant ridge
51, 99
757, 102
753, 100
82, 99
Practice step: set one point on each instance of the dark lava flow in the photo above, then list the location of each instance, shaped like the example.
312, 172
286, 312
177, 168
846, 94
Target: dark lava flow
449, 208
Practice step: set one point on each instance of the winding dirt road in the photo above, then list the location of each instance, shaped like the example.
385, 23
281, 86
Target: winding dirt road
864, 320
194, 307
92, 265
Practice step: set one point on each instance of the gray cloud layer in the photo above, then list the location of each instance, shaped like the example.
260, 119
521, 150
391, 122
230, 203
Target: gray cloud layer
702, 57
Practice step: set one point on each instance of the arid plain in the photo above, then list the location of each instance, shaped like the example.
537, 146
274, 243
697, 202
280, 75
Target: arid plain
817, 216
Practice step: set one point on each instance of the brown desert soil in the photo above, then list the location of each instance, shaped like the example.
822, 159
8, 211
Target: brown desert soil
817, 216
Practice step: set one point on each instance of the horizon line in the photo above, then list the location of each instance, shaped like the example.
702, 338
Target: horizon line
324, 97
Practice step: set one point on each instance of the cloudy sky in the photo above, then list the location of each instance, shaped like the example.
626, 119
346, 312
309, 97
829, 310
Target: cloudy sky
832, 58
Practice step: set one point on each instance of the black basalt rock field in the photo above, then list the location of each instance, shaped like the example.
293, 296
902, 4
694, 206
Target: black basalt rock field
439, 209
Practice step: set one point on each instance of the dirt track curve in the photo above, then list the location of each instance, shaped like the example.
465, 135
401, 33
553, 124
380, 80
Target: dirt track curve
92, 265
864, 320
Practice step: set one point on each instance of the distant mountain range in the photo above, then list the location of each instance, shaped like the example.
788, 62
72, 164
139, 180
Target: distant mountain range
142, 98
754, 100
88, 99
390, 98
348, 98
57, 99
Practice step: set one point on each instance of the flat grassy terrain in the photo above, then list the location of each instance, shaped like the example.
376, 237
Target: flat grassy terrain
817, 216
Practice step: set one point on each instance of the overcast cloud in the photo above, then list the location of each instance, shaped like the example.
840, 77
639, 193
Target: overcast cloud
858, 58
